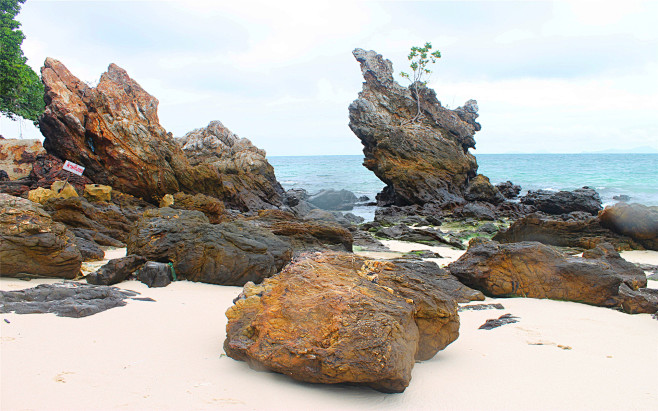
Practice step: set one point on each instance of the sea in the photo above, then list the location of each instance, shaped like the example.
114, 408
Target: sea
633, 175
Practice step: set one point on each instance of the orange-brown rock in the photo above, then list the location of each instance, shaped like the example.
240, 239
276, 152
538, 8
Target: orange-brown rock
634, 220
422, 161
114, 132
339, 318
535, 270
210, 206
17, 156
32, 243
305, 234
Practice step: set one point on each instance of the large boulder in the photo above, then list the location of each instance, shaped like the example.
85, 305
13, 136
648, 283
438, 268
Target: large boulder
584, 199
113, 131
116, 270
246, 179
633, 220
18, 155
339, 318
535, 270
578, 229
333, 199
420, 161
229, 253
32, 243
480, 189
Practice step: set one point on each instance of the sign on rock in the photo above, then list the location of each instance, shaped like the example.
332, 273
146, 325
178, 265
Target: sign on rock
74, 168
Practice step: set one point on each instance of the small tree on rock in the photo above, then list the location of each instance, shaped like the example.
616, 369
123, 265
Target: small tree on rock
420, 58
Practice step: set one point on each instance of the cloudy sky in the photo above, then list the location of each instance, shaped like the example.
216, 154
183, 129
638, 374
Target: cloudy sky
548, 76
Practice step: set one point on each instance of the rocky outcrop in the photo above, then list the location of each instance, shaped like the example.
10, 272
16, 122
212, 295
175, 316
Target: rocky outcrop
480, 189
579, 230
424, 161
229, 253
116, 271
633, 220
246, 179
508, 189
113, 131
563, 202
338, 318
17, 156
68, 299
535, 270
32, 243
210, 206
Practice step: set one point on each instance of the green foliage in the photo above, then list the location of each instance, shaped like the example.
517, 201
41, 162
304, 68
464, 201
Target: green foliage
21, 90
420, 57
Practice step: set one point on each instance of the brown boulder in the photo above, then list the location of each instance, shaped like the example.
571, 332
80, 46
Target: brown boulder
32, 243
633, 220
535, 270
480, 189
17, 156
98, 192
210, 206
419, 161
338, 318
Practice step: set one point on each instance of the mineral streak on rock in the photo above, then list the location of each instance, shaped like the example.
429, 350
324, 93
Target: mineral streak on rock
420, 161
339, 318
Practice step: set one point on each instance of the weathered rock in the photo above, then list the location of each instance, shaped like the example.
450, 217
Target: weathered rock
98, 192
333, 200
4, 176
58, 189
155, 274
420, 161
243, 177
96, 237
643, 300
478, 210
89, 249
508, 189
113, 131
116, 270
210, 206
338, 318
634, 220
563, 202
48, 168
18, 155
167, 200
229, 253
498, 322
67, 299
294, 196
532, 269
480, 189
579, 230
432, 236
32, 243
313, 234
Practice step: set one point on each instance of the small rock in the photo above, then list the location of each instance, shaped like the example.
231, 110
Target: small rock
98, 192
155, 274
497, 322
167, 201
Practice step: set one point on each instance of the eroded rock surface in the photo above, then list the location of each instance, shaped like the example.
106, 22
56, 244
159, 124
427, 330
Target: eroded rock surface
339, 318
633, 220
420, 161
32, 243
18, 155
584, 199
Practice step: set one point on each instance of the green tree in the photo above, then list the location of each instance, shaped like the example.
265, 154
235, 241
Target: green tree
21, 90
420, 58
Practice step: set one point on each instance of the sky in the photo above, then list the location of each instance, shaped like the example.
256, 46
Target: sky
558, 77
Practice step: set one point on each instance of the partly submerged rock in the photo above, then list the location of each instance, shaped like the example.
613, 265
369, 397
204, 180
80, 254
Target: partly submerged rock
229, 253
633, 220
32, 243
508, 189
535, 270
338, 318
420, 161
333, 199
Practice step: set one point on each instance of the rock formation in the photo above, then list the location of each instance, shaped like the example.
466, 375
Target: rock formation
562, 202
113, 131
634, 220
116, 271
32, 243
338, 318
17, 156
531, 269
229, 253
426, 161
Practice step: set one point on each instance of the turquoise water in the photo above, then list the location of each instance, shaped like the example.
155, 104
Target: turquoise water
635, 175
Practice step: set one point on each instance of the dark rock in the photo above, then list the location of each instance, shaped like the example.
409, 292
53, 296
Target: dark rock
534, 270
4, 176
480, 189
48, 168
67, 299
155, 274
423, 161
622, 197
477, 210
363, 199
508, 189
643, 300
579, 230
96, 237
338, 318
353, 219
116, 271
420, 254
333, 200
480, 307
89, 249
634, 220
229, 253
429, 236
563, 202
294, 196
488, 228
32, 243
502, 320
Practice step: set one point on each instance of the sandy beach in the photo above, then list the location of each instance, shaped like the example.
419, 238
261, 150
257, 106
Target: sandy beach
168, 355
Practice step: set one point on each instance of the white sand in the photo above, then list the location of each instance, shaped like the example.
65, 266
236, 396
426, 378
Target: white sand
167, 355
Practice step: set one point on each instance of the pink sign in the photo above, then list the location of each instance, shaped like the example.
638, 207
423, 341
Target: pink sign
74, 168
